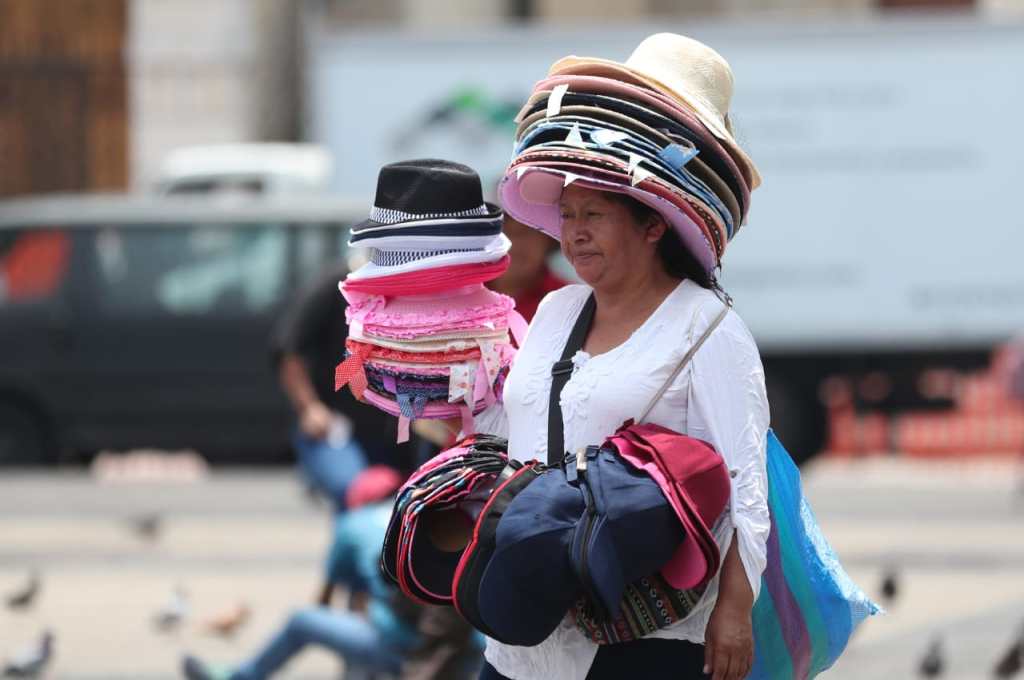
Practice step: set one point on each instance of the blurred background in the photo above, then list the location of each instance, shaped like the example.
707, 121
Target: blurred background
174, 172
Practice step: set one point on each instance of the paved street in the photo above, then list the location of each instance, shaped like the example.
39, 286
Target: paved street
954, 533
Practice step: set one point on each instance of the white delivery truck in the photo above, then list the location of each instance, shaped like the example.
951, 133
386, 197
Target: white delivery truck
885, 239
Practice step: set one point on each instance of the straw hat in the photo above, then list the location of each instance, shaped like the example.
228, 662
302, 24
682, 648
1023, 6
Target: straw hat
683, 68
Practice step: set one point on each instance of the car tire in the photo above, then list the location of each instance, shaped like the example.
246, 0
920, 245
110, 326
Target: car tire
23, 439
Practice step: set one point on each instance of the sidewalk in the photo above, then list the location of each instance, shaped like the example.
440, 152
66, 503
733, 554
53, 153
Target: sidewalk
955, 532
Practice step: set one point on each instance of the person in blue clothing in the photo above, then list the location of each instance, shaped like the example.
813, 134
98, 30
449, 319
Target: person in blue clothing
392, 635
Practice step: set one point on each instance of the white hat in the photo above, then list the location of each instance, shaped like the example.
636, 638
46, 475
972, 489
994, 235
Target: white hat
686, 70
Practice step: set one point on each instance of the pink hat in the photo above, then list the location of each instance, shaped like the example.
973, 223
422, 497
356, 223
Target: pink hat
472, 306
598, 167
373, 484
430, 281
696, 483
530, 194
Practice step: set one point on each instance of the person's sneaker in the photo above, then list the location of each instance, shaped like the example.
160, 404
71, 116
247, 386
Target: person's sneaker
195, 669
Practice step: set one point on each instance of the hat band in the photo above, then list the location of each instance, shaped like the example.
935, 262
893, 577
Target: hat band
389, 216
488, 225
396, 258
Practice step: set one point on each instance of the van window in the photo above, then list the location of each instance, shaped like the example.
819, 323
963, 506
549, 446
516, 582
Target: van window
319, 247
33, 265
191, 269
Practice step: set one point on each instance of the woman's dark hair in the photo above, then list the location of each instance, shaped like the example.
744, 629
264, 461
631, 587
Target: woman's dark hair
677, 260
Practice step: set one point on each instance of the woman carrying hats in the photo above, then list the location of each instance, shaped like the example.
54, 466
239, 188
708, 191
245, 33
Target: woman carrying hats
633, 168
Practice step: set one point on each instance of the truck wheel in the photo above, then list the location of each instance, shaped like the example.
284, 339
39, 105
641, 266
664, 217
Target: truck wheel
23, 440
798, 417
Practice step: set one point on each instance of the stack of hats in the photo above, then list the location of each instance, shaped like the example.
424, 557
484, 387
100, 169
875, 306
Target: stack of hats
512, 545
655, 128
433, 516
426, 338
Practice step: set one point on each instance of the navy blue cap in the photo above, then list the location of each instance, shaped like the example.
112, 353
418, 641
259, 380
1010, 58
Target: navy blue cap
529, 584
634, 533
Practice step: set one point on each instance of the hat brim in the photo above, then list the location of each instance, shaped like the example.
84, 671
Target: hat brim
595, 66
429, 566
616, 87
478, 554
493, 212
599, 116
608, 167
695, 165
674, 208
643, 118
625, 112
494, 251
713, 213
535, 203
688, 567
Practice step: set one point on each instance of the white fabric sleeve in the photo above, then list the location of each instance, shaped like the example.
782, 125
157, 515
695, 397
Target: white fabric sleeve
728, 407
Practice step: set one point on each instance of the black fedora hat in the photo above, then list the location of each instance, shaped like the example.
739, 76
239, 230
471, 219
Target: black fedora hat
428, 189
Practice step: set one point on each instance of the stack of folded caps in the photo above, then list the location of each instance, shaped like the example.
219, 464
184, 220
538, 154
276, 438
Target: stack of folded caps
655, 128
426, 338
434, 513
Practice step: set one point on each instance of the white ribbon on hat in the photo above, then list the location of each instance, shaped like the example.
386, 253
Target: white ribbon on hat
575, 137
555, 100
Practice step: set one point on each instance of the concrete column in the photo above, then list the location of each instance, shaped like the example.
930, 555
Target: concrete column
231, 80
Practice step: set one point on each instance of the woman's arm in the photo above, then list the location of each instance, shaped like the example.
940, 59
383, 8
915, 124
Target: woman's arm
314, 416
728, 408
729, 638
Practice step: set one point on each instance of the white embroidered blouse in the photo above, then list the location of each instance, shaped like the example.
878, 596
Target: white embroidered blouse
719, 397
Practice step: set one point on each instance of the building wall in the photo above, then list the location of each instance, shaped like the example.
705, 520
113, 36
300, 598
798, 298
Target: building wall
433, 13
63, 101
237, 77
233, 79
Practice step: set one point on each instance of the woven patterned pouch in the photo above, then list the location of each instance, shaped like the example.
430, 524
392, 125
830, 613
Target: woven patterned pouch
647, 605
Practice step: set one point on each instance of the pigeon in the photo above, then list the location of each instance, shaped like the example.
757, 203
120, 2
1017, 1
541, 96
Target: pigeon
890, 585
23, 599
31, 662
1012, 660
934, 663
148, 527
228, 623
171, 616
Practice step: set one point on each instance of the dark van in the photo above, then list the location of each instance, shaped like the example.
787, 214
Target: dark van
132, 322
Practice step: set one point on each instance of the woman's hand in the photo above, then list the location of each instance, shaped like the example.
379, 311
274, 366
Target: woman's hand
728, 642
437, 432
729, 638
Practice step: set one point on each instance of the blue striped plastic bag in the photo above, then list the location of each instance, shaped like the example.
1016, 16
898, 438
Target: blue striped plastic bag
808, 606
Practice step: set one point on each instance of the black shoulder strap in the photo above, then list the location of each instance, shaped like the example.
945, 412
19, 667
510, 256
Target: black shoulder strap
561, 371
